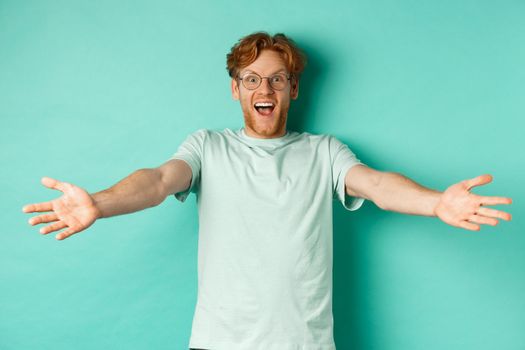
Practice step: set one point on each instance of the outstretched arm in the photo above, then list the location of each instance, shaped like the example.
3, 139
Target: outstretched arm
143, 189
456, 206
76, 209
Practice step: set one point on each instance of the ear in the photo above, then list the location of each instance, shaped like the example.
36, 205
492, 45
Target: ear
235, 89
294, 91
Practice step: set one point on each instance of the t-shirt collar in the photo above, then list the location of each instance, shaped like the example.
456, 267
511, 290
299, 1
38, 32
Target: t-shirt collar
275, 140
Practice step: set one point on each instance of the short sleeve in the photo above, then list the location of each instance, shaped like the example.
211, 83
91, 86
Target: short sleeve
191, 152
343, 159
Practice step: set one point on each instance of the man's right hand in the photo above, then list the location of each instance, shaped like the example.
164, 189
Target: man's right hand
74, 210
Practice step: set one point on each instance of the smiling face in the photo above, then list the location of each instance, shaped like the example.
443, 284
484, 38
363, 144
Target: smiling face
265, 109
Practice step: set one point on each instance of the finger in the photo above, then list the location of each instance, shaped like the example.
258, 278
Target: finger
65, 234
478, 181
469, 226
53, 184
494, 213
37, 207
43, 219
478, 219
495, 200
53, 227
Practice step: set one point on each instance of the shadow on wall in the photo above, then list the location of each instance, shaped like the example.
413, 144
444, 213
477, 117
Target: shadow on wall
353, 301
302, 110
355, 293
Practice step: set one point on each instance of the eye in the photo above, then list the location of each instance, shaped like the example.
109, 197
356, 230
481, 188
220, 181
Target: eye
251, 78
278, 78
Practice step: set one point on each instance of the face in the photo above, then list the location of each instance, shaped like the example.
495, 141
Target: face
269, 122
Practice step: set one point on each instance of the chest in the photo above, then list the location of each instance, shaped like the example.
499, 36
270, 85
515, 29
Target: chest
247, 172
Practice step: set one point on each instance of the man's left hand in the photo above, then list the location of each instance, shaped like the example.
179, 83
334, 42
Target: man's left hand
461, 208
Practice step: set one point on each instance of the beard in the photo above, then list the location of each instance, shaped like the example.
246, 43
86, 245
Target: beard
266, 127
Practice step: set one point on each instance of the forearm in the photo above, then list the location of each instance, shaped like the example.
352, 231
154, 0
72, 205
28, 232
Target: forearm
140, 190
398, 193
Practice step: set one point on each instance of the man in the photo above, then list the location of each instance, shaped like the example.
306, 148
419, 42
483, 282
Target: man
265, 209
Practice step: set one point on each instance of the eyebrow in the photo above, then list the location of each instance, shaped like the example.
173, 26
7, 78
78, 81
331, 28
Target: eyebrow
283, 70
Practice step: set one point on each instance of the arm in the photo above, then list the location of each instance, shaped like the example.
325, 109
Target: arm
143, 189
456, 206
76, 210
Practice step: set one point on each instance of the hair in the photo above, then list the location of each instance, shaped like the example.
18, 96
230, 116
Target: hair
248, 48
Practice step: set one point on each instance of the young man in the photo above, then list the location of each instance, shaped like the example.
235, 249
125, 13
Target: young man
265, 209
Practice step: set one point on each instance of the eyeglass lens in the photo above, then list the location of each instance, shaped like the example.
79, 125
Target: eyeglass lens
251, 81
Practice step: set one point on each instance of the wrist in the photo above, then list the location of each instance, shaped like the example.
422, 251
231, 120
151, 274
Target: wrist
98, 200
436, 199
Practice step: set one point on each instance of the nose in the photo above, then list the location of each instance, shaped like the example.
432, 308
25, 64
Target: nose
265, 87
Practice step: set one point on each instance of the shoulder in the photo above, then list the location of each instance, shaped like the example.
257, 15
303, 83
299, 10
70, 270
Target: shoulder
214, 133
328, 144
207, 136
203, 134
200, 133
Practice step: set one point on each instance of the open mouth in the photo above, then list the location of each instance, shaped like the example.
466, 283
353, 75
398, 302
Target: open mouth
264, 108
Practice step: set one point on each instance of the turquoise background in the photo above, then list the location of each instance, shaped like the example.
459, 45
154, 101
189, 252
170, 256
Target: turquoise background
92, 90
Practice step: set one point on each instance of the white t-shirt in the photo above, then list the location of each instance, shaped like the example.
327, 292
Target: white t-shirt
265, 238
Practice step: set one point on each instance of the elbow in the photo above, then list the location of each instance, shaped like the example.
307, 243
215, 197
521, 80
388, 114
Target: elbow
380, 203
162, 193
380, 194
157, 193
161, 196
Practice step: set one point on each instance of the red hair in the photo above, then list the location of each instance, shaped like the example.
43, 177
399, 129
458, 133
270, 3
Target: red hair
248, 48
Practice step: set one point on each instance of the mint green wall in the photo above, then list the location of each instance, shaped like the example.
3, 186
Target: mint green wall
91, 91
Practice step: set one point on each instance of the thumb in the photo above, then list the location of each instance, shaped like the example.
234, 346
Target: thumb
478, 181
52, 183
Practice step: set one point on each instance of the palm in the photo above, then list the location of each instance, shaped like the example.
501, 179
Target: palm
75, 209
459, 207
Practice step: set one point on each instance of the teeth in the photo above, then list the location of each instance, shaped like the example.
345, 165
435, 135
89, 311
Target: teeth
264, 104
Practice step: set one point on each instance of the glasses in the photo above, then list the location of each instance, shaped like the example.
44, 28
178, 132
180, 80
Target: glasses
252, 81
